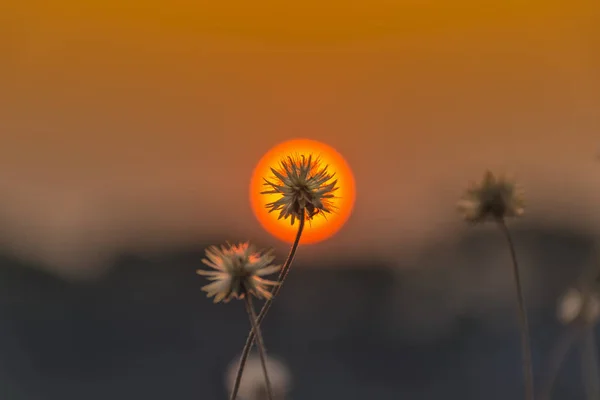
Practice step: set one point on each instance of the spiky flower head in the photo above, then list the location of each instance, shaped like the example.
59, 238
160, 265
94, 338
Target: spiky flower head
237, 271
493, 198
305, 185
576, 304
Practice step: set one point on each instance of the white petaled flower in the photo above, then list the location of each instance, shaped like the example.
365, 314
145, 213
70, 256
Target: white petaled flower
252, 385
306, 188
237, 271
493, 198
574, 304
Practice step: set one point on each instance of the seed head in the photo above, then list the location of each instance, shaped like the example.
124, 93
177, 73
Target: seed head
237, 271
305, 186
493, 198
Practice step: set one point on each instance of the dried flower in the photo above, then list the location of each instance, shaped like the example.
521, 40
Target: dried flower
575, 304
306, 188
493, 198
253, 384
237, 272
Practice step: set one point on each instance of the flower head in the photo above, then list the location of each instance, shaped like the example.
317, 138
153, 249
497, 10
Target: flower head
237, 271
253, 382
575, 304
493, 198
306, 188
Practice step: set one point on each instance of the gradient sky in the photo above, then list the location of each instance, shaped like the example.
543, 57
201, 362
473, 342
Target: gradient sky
137, 124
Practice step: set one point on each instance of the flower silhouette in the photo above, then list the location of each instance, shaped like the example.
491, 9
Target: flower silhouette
306, 188
237, 271
493, 198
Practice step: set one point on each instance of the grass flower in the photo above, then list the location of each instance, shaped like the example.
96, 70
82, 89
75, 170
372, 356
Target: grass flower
577, 304
253, 385
495, 199
306, 188
236, 273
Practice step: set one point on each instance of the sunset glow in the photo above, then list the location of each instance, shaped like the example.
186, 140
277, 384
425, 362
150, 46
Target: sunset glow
320, 227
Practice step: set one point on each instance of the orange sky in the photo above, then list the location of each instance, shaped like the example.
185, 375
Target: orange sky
140, 122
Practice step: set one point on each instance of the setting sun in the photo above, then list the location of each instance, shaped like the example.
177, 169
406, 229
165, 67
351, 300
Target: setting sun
320, 227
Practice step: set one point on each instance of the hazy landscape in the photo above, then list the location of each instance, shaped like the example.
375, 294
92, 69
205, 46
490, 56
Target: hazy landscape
358, 330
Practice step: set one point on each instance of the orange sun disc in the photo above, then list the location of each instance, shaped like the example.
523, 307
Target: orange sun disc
320, 227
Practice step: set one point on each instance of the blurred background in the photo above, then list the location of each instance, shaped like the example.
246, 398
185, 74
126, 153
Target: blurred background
129, 131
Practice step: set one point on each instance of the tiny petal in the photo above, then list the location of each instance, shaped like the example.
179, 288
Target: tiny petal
268, 270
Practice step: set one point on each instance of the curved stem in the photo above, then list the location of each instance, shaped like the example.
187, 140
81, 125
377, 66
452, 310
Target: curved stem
524, 325
265, 308
262, 352
284, 272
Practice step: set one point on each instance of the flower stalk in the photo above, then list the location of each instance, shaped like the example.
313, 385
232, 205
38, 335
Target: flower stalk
265, 308
495, 199
262, 352
236, 272
522, 315
305, 189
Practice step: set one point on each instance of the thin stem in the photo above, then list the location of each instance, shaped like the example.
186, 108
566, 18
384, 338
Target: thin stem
284, 272
262, 352
524, 325
559, 354
265, 308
